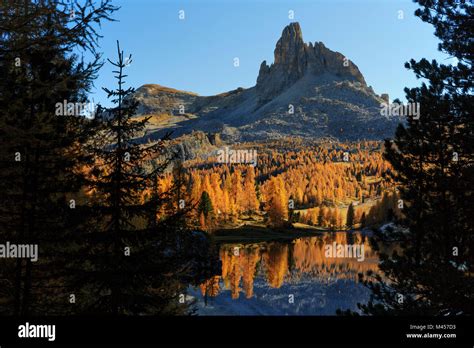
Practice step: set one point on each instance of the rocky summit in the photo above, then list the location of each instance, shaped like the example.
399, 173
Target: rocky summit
308, 91
294, 59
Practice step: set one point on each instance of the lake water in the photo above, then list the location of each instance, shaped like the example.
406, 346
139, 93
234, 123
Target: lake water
287, 278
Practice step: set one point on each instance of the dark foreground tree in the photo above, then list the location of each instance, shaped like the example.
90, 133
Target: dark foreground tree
434, 161
40, 144
135, 256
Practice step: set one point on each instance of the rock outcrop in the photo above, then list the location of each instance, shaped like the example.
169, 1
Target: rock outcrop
293, 59
158, 99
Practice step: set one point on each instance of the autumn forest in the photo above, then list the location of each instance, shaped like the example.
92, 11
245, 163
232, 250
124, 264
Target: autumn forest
295, 181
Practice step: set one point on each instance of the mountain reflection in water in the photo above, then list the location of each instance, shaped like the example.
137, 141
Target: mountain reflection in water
287, 278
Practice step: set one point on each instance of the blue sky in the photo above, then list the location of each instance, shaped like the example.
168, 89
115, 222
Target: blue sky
197, 54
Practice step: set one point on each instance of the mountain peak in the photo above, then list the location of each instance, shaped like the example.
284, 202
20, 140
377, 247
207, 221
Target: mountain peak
291, 28
290, 42
294, 59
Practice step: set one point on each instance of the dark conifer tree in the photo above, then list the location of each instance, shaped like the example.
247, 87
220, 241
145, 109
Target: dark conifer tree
40, 146
136, 255
350, 216
433, 157
363, 219
205, 205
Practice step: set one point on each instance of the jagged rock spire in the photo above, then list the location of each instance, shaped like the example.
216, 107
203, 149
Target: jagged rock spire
294, 58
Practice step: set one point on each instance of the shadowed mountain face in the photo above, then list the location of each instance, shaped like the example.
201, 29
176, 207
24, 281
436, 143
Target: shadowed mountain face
309, 91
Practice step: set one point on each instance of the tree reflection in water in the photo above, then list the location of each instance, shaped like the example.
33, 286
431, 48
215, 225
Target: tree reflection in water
279, 262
